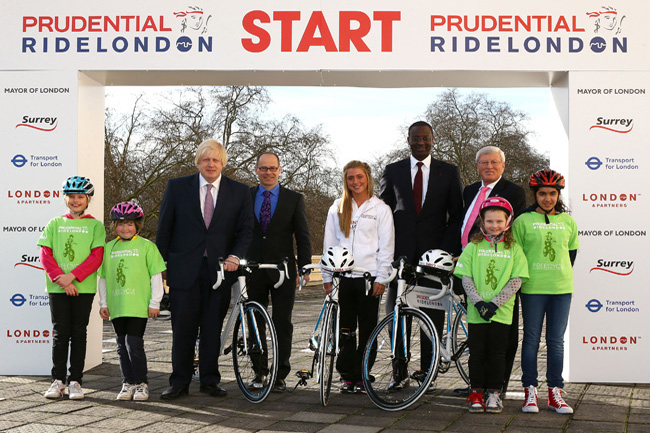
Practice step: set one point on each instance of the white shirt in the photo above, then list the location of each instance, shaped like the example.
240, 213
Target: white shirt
426, 164
204, 189
471, 206
372, 236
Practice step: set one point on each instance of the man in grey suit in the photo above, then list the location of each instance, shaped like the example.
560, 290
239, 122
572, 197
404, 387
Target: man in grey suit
203, 217
279, 217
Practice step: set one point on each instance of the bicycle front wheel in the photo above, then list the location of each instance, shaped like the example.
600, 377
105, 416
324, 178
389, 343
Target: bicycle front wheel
327, 353
459, 344
397, 371
255, 352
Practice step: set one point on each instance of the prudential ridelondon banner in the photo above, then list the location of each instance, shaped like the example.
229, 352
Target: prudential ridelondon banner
38, 126
610, 313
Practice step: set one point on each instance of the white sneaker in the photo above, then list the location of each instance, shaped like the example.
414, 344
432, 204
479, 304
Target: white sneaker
74, 391
493, 404
141, 392
126, 393
55, 390
530, 401
556, 401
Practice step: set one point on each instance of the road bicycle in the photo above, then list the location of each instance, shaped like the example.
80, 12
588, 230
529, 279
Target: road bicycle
324, 340
403, 355
254, 345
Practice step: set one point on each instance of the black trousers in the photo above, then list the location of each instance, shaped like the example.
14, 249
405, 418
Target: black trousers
200, 310
70, 315
260, 286
487, 354
358, 311
130, 348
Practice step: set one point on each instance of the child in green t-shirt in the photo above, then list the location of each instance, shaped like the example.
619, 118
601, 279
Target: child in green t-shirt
130, 290
492, 267
72, 247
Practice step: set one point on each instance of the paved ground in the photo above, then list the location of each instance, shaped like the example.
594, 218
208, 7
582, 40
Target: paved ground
598, 408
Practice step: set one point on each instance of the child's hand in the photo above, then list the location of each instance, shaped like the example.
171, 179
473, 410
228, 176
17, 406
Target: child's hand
104, 314
64, 280
486, 309
71, 290
154, 312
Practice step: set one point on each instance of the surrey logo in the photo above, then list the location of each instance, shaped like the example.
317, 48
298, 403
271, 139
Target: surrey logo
193, 19
47, 124
607, 19
621, 126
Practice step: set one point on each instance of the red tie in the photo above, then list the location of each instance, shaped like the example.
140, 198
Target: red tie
417, 189
472, 216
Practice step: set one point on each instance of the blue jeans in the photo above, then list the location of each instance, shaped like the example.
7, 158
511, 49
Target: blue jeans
556, 310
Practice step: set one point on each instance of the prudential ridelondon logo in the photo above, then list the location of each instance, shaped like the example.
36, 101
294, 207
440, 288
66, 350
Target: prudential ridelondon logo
183, 31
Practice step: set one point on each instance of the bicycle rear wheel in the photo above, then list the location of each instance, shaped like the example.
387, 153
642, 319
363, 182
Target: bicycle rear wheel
459, 344
327, 353
396, 381
255, 352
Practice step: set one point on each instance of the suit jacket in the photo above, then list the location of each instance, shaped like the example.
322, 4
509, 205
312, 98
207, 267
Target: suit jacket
441, 213
504, 188
182, 237
288, 220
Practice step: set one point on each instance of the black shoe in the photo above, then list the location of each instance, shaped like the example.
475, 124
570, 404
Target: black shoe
214, 390
173, 392
280, 386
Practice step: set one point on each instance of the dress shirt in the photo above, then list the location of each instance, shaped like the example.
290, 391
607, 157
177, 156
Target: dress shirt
203, 190
426, 163
471, 206
259, 199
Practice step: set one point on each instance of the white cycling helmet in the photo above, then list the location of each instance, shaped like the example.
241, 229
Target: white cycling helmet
337, 259
438, 261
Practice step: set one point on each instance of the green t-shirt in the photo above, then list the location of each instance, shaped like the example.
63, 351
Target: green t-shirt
71, 241
547, 249
127, 269
491, 270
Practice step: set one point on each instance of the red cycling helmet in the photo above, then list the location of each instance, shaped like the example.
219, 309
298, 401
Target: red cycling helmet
127, 211
546, 177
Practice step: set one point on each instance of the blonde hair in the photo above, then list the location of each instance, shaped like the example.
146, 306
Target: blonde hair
345, 206
208, 146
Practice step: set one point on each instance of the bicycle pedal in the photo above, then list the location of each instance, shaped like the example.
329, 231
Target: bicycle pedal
227, 350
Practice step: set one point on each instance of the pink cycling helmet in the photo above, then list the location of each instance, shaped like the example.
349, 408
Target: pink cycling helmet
500, 203
127, 211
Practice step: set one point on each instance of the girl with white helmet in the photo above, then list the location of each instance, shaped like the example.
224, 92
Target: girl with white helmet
362, 223
72, 247
492, 267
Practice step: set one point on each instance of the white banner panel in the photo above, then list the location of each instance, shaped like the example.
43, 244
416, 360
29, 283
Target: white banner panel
337, 35
610, 321
39, 130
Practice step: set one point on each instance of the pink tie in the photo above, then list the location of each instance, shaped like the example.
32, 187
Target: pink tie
472, 217
208, 207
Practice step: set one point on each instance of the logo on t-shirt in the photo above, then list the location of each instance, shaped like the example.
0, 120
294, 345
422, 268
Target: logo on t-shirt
549, 251
69, 251
490, 278
119, 273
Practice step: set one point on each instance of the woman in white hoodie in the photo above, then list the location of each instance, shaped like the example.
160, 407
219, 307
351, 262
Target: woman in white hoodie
363, 224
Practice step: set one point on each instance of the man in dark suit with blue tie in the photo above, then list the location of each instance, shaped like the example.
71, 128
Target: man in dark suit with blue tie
491, 163
203, 217
425, 196
279, 218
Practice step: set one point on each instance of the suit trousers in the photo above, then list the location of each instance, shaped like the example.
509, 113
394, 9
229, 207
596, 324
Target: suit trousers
260, 286
198, 310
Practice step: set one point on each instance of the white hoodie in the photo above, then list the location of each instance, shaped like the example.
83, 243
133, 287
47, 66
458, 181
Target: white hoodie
371, 240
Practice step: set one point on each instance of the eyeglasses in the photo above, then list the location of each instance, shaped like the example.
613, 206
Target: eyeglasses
265, 169
486, 163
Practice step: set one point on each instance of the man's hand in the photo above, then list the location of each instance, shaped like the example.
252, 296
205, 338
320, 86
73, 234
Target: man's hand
104, 313
231, 264
305, 279
378, 289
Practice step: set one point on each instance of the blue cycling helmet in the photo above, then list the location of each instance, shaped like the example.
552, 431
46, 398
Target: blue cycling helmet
78, 185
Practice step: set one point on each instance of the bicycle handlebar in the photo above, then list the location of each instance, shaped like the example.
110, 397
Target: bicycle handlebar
356, 270
246, 266
400, 266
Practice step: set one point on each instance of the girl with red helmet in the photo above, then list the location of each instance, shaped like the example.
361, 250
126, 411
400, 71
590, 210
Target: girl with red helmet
72, 247
130, 290
549, 237
491, 267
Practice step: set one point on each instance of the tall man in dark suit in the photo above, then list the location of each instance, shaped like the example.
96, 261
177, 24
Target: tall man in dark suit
279, 217
203, 217
490, 163
425, 196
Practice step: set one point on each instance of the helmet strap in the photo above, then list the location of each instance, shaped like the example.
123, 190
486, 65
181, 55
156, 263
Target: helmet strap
77, 213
